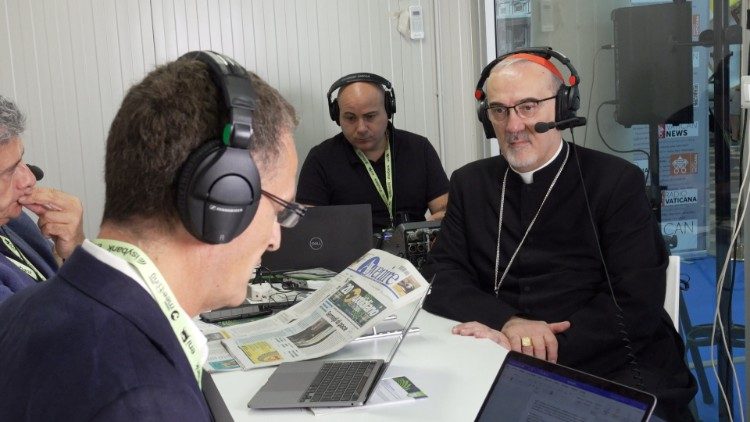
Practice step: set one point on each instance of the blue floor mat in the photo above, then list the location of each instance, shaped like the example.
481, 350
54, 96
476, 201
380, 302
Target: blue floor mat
700, 300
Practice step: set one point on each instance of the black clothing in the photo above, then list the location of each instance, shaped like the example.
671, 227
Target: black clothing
558, 273
333, 175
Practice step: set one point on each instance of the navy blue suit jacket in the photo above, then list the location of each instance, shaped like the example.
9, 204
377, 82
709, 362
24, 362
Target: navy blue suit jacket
91, 344
25, 235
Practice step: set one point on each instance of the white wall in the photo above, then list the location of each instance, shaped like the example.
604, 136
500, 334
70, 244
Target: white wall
68, 63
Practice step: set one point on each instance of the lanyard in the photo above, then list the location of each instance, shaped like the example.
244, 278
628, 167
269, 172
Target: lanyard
387, 199
163, 295
25, 266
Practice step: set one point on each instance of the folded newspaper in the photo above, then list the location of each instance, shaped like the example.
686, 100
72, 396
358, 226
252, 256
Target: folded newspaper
388, 391
351, 303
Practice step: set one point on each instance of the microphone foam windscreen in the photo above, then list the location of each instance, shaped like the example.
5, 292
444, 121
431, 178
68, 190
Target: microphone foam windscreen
38, 173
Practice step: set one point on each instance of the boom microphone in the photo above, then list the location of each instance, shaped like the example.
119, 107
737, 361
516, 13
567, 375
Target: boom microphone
36, 171
542, 127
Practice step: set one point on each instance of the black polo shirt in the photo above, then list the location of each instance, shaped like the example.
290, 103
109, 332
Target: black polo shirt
333, 175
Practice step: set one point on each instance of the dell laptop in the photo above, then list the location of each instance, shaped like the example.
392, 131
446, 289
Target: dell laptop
328, 383
331, 237
527, 388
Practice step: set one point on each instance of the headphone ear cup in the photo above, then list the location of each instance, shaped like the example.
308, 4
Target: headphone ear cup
562, 110
574, 99
218, 192
489, 130
567, 102
390, 104
333, 110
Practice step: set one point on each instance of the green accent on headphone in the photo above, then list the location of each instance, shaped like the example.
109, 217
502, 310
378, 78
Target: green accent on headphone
227, 134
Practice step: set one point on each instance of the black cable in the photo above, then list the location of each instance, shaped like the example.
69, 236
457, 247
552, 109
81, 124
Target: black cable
621, 324
591, 92
598, 129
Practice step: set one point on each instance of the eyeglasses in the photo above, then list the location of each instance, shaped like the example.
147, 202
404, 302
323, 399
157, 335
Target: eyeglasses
292, 212
525, 110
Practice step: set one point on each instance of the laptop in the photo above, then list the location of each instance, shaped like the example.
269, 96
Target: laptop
527, 388
328, 383
331, 237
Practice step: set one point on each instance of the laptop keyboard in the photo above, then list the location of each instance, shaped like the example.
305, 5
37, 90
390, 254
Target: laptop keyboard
339, 381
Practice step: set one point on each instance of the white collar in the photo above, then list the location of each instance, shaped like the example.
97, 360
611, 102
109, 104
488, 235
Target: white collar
528, 177
122, 266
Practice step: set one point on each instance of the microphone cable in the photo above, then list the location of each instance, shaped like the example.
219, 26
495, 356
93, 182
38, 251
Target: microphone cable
621, 323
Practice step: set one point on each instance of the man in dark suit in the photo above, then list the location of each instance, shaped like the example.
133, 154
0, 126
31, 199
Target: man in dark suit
26, 256
185, 223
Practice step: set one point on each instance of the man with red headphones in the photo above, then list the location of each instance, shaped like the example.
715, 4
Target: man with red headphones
551, 249
370, 162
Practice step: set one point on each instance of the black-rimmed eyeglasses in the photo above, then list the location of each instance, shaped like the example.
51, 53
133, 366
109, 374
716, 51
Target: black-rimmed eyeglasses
292, 212
525, 110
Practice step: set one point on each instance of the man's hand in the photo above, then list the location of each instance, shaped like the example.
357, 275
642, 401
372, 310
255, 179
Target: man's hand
480, 330
534, 338
60, 218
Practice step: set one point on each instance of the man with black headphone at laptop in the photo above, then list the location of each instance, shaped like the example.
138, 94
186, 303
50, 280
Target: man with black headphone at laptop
551, 249
200, 168
370, 162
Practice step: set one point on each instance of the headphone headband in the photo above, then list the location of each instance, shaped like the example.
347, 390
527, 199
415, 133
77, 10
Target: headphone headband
237, 91
383, 83
540, 61
359, 77
543, 53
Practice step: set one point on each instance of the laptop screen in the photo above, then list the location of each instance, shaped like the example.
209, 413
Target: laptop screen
330, 237
532, 389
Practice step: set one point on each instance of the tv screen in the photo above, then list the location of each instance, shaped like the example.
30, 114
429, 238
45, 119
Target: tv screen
653, 64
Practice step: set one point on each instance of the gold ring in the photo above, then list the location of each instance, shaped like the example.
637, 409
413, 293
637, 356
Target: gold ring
526, 341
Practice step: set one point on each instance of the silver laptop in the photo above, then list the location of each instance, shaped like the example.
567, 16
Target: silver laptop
527, 388
330, 237
328, 383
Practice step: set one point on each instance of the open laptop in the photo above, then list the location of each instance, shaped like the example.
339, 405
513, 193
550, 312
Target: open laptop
527, 388
330, 237
328, 383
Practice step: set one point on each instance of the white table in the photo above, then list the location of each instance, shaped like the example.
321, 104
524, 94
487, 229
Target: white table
454, 371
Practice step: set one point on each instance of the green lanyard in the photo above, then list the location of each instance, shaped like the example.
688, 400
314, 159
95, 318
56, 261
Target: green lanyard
163, 295
25, 266
387, 199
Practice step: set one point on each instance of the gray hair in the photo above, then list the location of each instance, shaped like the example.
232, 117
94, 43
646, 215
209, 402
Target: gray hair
12, 121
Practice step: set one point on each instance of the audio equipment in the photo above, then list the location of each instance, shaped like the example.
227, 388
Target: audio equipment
218, 186
383, 83
542, 127
567, 98
412, 241
36, 171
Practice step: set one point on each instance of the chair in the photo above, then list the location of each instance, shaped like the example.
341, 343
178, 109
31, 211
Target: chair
672, 298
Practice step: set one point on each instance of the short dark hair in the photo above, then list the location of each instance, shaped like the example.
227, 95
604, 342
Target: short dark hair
173, 111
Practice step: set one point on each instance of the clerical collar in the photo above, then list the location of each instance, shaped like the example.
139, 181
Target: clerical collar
528, 177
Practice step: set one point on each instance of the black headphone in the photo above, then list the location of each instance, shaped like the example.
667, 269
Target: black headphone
218, 186
390, 96
567, 99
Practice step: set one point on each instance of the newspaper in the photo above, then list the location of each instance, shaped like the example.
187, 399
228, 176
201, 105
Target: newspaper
388, 391
351, 303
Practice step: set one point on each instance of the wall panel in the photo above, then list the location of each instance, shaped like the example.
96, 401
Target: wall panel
68, 63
